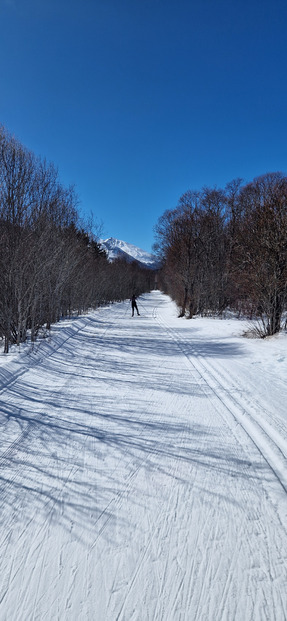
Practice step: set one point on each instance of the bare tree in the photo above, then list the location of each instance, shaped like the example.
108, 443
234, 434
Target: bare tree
261, 250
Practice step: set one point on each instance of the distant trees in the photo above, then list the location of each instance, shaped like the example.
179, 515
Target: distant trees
228, 247
191, 243
50, 266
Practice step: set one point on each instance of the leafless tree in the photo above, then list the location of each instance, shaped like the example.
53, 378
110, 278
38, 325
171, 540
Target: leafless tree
260, 253
228, 248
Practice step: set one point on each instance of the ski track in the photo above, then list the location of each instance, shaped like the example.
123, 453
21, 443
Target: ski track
140, 480
248, 413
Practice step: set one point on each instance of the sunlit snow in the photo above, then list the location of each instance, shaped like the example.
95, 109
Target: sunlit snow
143, 471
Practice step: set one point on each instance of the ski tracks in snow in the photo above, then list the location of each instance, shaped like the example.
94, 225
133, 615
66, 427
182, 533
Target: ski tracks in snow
135, 490
239, 401
246, 419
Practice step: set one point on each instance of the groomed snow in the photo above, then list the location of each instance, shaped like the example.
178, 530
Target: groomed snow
143, 471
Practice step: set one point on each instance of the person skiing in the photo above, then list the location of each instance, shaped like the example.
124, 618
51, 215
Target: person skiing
134, 305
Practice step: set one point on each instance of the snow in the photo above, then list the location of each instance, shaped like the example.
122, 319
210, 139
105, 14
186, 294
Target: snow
143, 471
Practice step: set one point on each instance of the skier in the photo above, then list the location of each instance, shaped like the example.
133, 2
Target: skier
134, 305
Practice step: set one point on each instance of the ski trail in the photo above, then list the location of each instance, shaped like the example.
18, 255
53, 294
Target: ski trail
272, 445
132, 493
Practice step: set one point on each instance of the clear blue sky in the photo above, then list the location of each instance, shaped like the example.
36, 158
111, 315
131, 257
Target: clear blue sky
137, 101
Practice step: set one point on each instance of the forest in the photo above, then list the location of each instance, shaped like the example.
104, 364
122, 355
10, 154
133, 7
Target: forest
219, 249
51, 264
227, 249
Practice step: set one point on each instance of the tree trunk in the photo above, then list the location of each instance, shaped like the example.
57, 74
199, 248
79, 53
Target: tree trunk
6, 344
184, 303
274, 323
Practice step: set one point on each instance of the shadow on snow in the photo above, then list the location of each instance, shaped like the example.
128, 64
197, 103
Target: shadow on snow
99, 429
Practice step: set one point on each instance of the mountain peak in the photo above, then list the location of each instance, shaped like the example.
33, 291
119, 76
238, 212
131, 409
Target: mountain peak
116, 248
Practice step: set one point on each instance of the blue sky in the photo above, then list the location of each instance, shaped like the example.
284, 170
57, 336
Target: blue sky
137, 101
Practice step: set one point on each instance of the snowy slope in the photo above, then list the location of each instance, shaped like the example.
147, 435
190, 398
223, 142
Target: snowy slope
143, 471
116, 248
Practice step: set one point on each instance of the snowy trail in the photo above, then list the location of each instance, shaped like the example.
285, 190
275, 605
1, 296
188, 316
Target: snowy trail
142, 476
251, 415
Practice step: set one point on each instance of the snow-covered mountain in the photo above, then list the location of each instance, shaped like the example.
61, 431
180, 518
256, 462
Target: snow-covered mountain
115, 248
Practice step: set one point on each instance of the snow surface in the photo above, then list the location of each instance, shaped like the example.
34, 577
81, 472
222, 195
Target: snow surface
116, 248
143, 471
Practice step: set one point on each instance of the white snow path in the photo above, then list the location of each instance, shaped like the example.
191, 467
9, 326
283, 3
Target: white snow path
143, 472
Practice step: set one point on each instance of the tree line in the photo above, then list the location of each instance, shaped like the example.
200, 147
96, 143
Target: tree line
51, 264
227, 248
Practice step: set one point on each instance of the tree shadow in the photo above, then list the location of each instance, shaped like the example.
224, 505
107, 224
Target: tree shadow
76, 467
87, 422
